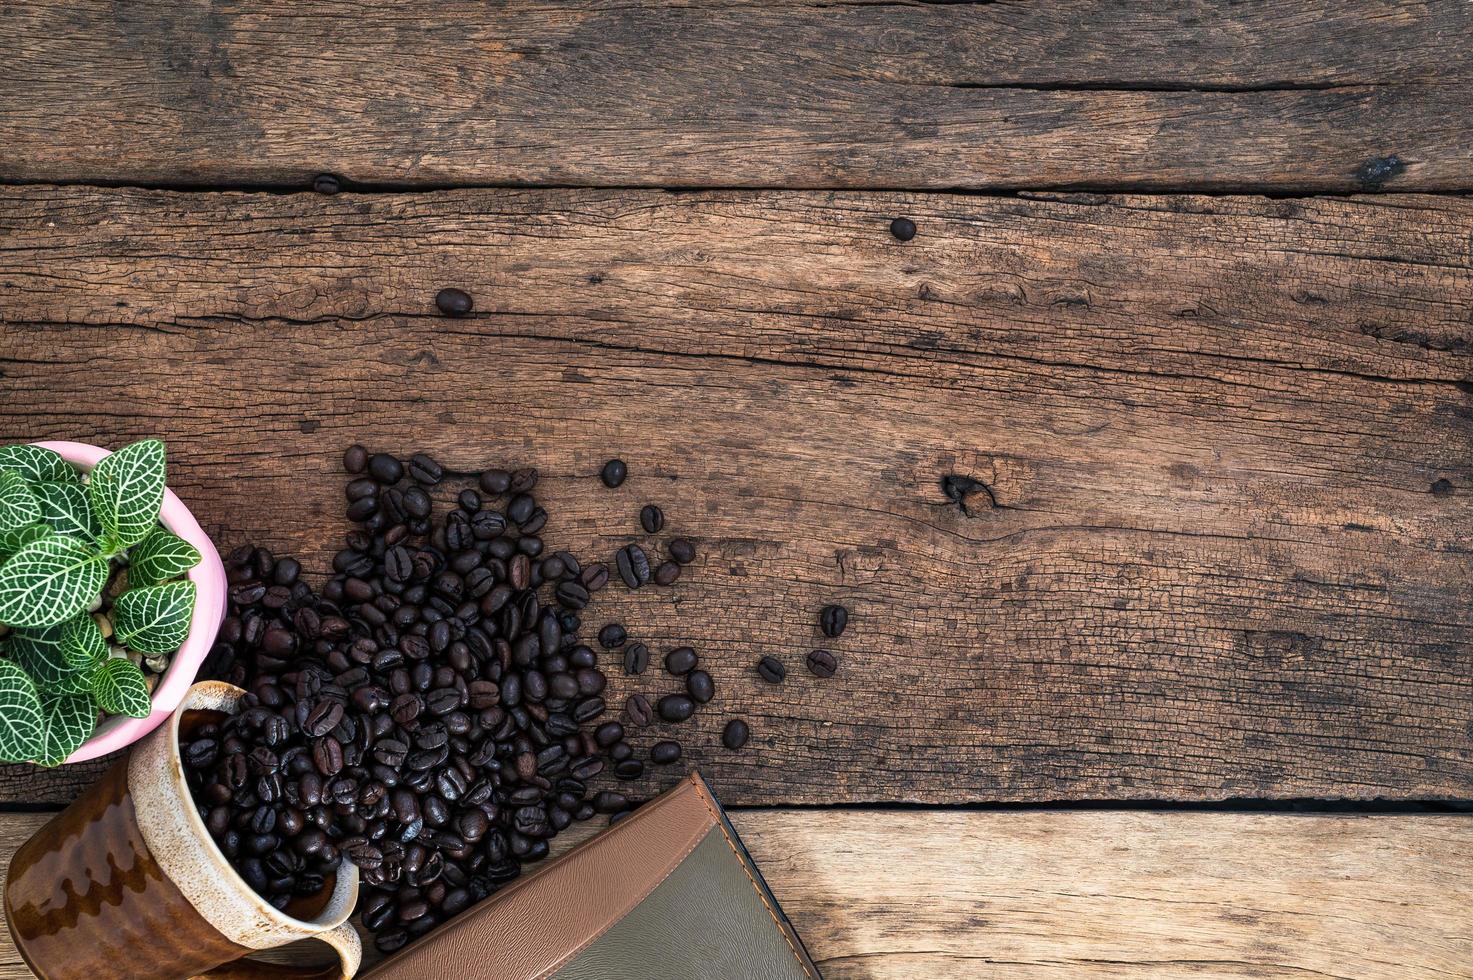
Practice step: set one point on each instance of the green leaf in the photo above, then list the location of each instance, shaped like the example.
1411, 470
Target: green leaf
18, 505
118, 686
42, 655
49, 581
37, 465
82, 643
64, 506
154, 620
127, 490
160, 557
70, 721
22, 726
13, 541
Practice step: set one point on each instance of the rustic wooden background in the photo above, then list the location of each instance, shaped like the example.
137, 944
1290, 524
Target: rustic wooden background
1191, 298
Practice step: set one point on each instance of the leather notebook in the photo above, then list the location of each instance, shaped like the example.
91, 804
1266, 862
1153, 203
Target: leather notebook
668, 891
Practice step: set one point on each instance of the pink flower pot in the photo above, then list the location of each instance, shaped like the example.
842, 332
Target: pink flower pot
208, 577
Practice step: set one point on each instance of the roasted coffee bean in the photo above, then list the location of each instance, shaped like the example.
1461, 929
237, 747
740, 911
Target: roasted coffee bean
639, 711
822, 663
454, 302
608, 801
613, 473
572, 595
832, 619
326, 184
681, 551
771, 670
385, 469
495, 482
651, 518
676, 707
625, 566
636, 658
355, 459
608, 733
629, 769
681, 661
424, 469
667, 573
612, 636
700, 686
735, 734
664, 753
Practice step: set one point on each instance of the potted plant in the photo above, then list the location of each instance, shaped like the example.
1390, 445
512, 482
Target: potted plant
110, 596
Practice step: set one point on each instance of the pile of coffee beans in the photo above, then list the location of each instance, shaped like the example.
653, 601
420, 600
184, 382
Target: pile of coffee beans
431, 715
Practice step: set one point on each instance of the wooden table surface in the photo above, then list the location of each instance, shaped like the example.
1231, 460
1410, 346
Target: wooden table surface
1189, 311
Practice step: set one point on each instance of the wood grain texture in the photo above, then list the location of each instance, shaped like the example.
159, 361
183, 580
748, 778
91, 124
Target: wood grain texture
1223, 548
1198, 95
1101, 896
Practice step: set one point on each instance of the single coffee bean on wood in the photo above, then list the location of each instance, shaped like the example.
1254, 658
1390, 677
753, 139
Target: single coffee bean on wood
700, 686
651, 518
832, 619
454, 302
385, 469
822, 663
681, 660
681, 551
735, 734
355, 459
613, 473
639, 711
771, 670
903, 229
676, 707
636, 658
667, 573
326, 184
664, 753
612, 636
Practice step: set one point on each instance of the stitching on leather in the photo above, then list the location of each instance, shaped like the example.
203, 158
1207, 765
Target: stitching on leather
615, 920
761, 894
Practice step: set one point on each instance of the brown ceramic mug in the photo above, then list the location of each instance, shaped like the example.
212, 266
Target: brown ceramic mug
126, 881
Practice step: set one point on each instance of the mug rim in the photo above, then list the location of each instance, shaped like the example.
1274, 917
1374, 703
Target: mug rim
279, 927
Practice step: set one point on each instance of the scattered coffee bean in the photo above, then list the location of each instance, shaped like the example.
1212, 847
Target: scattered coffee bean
636, 658
832, 619
681, 660
700, 686
326, 184
612, 636
639, 711
771, 670
682, 551
355, 459
822, 663
652, 519
613, 473
423, 469
495, 482
676, 707
454, 302
667, 573
903, 229
664, 753
735, 734
385, 469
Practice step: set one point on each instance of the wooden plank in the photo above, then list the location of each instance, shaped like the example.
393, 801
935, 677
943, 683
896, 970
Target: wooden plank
1101, 896
1287, 94
1228, 441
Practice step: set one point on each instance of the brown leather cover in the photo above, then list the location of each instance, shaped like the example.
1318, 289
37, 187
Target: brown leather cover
539, 926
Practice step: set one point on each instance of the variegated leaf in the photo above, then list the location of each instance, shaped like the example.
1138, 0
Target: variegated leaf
41, 652
64, 506
49, 581
119, 688
82, 643
154, 620
18, 505
70, 720
22, 726
37, 465
127, 489
160, 557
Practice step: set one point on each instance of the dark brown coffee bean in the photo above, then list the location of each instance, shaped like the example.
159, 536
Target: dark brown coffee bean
681, 661
613, 473
903, 229
608, 801
326, 184
735, 734
822, 663
495, 482
636, 658
832, 619
612, 636
327, 756
682, 551
700, 686
639, 711
771, 670
676, 707
323, 718
651, 518
424, 469
594, 577
454, 302
608, 733
639, 563
385, 469
667, 573
629, 769
664, 753
355, 459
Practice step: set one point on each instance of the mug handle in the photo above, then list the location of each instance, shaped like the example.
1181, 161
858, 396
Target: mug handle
343, 938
